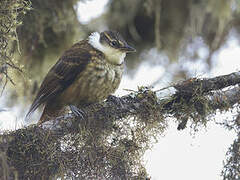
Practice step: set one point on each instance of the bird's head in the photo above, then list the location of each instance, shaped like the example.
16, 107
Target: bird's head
112, 45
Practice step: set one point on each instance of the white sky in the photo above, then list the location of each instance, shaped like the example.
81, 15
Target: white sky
90, 9
177, 155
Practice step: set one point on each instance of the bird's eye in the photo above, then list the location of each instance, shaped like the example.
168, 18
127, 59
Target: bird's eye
114, 43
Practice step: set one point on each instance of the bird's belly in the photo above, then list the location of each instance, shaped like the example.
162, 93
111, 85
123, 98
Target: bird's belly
94, 84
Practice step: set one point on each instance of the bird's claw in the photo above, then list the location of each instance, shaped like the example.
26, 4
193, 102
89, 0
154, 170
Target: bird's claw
77, 112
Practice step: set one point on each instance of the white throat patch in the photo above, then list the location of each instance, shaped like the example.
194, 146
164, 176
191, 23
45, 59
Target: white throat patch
113, 55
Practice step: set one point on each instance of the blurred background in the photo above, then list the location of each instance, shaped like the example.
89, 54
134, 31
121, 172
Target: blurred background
175, 40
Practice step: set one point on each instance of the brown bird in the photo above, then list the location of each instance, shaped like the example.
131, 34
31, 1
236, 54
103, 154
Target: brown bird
88, 72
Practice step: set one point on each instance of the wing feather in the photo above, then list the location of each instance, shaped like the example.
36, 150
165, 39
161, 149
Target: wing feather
61, 75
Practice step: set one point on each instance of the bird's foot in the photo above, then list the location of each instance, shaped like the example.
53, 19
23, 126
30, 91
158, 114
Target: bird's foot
77, 112
115, 100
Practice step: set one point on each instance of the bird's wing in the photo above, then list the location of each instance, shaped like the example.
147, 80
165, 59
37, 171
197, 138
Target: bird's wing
61, 75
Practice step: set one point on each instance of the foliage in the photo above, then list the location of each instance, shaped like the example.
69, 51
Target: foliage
10, 19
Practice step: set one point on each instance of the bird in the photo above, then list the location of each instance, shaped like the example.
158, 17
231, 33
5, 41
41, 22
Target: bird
87, 73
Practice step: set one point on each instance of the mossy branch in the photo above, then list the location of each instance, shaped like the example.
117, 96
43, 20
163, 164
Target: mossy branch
109, 142
202, 86
205, 95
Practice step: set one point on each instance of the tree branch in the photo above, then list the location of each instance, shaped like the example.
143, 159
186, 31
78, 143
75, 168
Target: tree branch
194, 86
113, 133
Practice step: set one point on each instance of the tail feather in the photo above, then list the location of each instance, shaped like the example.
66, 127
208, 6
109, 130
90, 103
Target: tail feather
50, 112
31, 110
36, 103
33, 107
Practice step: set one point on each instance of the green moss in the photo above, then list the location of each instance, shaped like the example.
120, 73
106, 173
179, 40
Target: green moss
28, 149
10, 13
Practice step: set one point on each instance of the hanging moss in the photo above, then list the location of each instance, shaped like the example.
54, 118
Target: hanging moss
10, 19
101, 146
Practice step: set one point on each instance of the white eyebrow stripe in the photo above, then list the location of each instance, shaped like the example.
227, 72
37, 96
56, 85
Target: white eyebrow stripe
112, 55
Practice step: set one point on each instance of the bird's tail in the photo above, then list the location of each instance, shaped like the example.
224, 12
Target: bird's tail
51, 112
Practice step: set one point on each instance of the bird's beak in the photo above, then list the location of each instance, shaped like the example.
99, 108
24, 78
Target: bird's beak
128, 48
